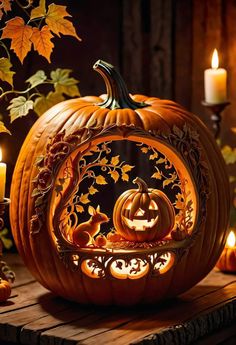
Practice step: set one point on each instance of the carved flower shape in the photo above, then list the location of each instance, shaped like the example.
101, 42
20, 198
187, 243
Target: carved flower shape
44, 179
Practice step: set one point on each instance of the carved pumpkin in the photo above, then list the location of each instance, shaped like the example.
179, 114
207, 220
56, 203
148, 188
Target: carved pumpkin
143, 214
5, 290
122, 277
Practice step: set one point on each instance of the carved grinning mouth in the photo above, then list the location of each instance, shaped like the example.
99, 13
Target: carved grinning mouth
140, 224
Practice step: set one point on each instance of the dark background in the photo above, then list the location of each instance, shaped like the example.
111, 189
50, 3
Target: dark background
161, 48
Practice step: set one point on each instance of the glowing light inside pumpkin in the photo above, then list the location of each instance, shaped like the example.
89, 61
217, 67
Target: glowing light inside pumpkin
136, 268
165, 262
0, 154
141, 224
231, 240
215, 60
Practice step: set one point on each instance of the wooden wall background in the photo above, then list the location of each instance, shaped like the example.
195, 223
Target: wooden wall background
160, 46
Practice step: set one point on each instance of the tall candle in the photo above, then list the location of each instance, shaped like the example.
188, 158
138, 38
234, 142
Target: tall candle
3, 170
215, 82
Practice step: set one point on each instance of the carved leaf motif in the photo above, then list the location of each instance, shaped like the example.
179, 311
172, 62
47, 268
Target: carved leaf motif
178, 131
100, 180
153, 156
57, 22
126, 167
20, 35
157, 175
125, 177
41, 40
160, 160
79, 208
84, 198
115, 175
5, 71
144, 149
92, 190
115, 160
103, 161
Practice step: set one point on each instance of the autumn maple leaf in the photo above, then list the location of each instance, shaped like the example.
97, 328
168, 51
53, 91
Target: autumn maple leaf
41, 40
55, 19
20, 35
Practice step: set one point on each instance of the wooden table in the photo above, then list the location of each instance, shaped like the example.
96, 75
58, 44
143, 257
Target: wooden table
206, 314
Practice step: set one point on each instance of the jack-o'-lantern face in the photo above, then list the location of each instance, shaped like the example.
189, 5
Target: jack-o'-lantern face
143, 214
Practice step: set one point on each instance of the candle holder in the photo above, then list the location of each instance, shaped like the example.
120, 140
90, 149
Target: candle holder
5, 272
216, 109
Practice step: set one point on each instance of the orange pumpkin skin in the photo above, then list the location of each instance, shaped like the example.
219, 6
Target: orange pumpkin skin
227, 260
5, 290
143, 198
38, 250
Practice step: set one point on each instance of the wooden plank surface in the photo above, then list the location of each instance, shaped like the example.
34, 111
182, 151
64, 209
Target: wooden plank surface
35, 316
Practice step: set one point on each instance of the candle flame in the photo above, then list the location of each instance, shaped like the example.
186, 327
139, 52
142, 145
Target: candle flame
215, 60
231, 239
0, 154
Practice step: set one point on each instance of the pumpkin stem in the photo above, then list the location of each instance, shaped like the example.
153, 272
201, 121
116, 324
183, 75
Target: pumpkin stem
142, 186
117, 92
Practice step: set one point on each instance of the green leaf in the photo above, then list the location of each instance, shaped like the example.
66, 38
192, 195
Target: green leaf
20, 107
42, 103
5, 71
63, 83
3, 129
229, 154
36, 79
7, 242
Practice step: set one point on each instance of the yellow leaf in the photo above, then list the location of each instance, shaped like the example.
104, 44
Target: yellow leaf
20, 35
229, 154
19, 107
125, 177
43, 103
144, 149
3, 129
84, 198
115, 160
153, 156
79, 208
92, 190
5, 6
39, 11
41, 40
101, 180
5, 71
127, 168
103, 161
36, 79
160, 160
157, 175
57, 23
115, 175
63, 83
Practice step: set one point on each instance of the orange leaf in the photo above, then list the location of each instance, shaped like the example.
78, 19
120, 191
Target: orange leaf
57, 23
41, 40
39, 11
5, 6
20, 35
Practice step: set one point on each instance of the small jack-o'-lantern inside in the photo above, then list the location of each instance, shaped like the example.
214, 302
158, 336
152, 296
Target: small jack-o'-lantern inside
116, 202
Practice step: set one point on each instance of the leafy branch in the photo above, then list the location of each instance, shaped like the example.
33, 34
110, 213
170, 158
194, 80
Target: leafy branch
35, 29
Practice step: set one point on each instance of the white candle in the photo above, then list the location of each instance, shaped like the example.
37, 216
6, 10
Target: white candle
3, 170
215, 82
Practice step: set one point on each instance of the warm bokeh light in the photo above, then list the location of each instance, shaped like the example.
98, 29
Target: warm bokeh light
215, 59
0, 154
231, 240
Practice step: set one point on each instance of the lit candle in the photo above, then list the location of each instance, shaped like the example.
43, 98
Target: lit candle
227, 261
215, 82
3, 169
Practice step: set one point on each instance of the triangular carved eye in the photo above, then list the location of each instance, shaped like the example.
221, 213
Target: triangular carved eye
140, 212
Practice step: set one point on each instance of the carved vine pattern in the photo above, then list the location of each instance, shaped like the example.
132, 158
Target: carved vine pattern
60, 147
